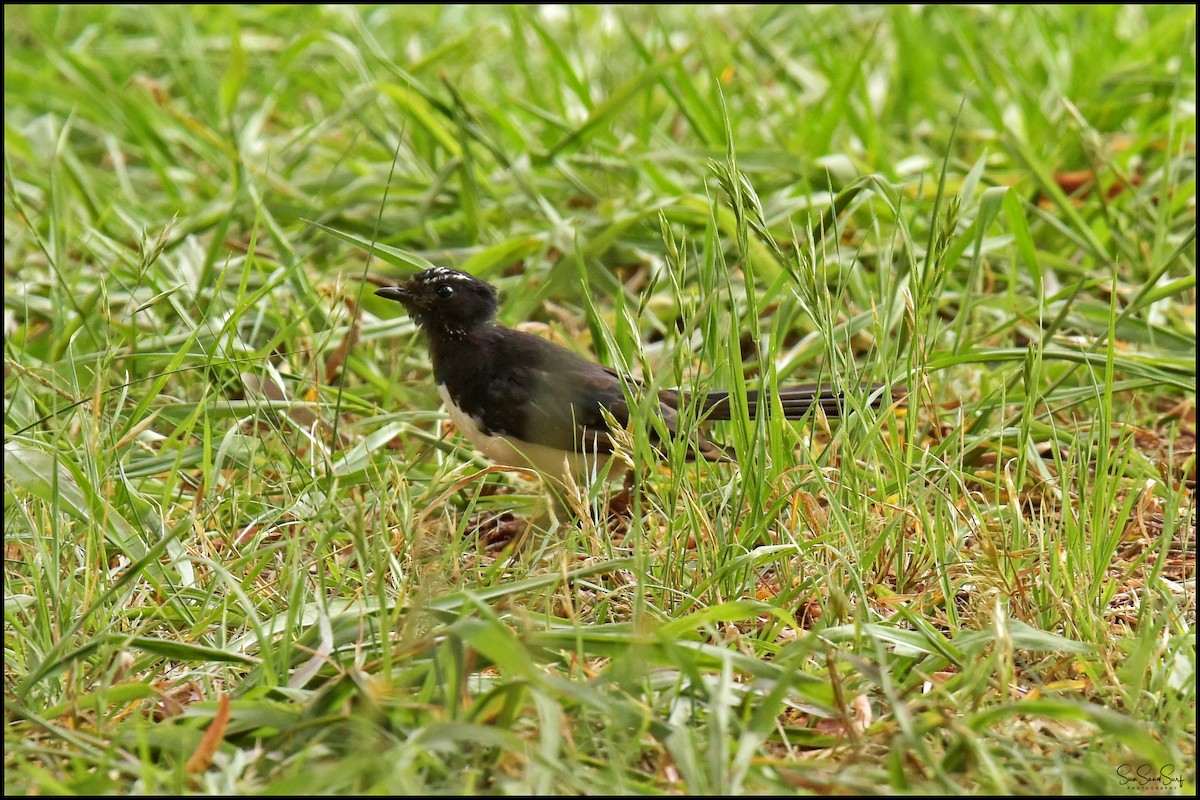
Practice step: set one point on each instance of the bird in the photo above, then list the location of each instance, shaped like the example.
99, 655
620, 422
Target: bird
524, 401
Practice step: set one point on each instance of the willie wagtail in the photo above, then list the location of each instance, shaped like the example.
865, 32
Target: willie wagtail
528, 402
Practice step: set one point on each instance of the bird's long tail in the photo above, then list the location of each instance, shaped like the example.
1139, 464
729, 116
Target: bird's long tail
796, 401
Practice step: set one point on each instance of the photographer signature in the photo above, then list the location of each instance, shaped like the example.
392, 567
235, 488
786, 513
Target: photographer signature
1145, 775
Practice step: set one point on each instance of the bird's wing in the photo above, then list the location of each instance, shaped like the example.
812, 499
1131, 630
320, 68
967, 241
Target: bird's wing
566, 380
564, 399
550, 396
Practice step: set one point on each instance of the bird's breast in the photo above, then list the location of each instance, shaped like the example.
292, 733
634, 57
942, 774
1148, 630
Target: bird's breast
510, 451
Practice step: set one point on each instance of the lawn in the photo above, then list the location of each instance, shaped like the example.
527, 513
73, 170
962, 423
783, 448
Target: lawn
245, 552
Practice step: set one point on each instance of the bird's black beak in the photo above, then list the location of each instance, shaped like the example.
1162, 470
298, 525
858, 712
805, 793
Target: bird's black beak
400, 294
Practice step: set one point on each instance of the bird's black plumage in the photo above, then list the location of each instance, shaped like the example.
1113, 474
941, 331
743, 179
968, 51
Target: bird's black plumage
516, 393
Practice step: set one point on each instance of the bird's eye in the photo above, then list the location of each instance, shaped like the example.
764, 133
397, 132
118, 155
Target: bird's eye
445, 290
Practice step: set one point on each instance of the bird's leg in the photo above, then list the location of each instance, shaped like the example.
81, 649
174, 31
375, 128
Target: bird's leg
618, 504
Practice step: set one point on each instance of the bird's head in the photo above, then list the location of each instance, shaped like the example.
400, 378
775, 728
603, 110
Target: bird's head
445, 302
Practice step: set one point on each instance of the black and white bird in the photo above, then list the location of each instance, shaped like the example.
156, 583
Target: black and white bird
524, 401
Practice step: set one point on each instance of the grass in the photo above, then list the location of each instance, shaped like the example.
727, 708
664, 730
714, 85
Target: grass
242, 551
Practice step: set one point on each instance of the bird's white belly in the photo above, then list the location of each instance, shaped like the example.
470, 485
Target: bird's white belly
512, 452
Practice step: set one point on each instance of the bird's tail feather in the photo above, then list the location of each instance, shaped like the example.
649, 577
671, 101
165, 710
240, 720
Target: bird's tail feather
797, 401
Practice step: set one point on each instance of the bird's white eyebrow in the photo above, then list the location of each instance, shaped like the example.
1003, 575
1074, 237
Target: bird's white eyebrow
444, 274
